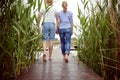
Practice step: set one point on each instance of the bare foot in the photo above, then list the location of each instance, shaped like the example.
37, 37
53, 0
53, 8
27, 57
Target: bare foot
66, 57
66, 60
50, 58
44, 57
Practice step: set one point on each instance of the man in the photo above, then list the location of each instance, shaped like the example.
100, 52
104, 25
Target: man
65, 29
48, 27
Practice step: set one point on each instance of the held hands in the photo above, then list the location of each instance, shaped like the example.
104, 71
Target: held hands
57, 31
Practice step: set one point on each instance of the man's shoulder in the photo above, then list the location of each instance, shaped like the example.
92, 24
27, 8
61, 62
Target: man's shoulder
42, 9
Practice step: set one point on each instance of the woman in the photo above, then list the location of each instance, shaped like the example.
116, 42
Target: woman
65, 29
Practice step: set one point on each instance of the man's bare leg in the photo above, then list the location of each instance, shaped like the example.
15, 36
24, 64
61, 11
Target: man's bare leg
50, 49
44, 50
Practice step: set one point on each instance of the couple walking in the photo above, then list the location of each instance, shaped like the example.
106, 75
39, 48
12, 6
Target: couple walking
64, 23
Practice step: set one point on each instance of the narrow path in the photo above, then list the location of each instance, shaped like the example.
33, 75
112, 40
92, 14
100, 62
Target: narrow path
57, 69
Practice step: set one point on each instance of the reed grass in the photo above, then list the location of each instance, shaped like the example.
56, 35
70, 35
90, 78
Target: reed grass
97, 42
18, 39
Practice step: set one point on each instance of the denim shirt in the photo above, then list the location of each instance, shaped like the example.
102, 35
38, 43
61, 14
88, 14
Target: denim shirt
65, 19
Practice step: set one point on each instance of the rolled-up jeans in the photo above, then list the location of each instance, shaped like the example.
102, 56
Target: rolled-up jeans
65, 38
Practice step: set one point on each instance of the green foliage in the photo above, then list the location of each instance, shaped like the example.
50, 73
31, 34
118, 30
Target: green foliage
18, 38
97, 38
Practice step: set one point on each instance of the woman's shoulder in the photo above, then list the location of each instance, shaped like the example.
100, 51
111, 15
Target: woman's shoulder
69, 12
60, 12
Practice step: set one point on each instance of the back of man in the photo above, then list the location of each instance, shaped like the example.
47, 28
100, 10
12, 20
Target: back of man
48, 27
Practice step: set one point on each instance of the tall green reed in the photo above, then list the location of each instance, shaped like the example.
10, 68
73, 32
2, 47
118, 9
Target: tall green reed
97, 41
6, 39
18, 39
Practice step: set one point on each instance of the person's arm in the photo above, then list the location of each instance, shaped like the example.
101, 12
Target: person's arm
39, 19
71, 21
57, 23
72, 26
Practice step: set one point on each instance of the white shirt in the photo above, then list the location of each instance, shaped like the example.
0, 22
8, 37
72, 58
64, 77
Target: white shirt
48, 16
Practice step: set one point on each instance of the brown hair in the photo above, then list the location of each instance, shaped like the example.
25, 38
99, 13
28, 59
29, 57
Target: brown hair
49, 2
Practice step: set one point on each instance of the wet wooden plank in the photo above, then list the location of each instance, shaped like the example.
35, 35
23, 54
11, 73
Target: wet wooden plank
57, 69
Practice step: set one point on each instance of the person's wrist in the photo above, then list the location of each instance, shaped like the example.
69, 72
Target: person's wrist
38, 26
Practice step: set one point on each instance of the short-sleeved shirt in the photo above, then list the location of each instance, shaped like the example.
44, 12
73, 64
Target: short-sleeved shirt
48, 16
66, 18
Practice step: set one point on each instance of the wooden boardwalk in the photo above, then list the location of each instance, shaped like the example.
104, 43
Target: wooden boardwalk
57, 69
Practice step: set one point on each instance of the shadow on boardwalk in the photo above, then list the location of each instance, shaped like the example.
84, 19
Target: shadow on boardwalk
57, 69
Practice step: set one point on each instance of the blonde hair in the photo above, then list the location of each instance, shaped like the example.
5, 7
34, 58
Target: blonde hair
64, 2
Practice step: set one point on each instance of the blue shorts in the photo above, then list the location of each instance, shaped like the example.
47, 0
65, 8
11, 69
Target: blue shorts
48, 31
